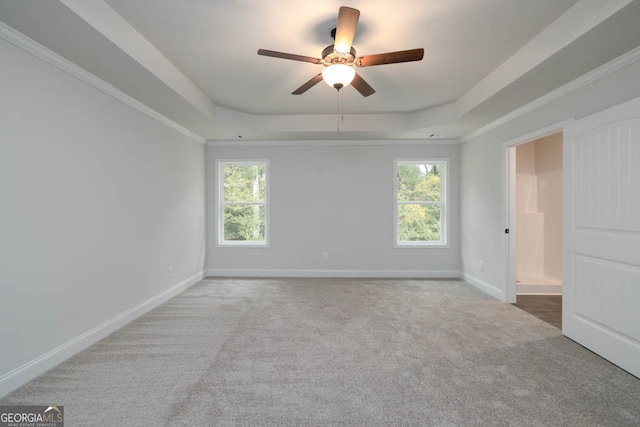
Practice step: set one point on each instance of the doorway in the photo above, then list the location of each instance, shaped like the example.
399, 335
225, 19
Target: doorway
534, 218
540, 171
539, 216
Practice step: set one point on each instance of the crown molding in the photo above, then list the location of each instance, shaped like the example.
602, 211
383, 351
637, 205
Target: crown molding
331, 142
610, 67
29, 45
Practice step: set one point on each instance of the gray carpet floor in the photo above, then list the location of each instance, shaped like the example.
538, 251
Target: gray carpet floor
336, 352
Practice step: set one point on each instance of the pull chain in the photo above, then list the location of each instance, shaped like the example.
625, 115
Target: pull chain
338, 109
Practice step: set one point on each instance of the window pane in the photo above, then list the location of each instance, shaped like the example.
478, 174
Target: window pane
244, 183
244, 223
418, 223
419, 182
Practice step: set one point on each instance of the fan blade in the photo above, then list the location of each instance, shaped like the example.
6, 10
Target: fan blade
308, 85
390, 58
291, 56
346, 29
362, 86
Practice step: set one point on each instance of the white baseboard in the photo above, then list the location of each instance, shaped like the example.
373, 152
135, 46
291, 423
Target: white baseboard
255, 272
30, 370
483, 286
539, 288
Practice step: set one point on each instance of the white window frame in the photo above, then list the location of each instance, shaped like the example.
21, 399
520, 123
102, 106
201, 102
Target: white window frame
220, 203
444, 197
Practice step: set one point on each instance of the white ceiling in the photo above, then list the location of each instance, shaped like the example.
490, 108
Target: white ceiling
195, 61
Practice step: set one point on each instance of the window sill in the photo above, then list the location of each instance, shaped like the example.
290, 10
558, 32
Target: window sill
242, 245
421, 246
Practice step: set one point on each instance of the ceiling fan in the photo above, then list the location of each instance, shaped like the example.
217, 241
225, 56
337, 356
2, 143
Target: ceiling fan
340, 58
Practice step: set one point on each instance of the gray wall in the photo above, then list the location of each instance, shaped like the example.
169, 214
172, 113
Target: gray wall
97, 200
336, 199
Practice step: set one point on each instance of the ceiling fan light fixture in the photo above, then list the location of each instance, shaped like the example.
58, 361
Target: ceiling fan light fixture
338, 75
339, 59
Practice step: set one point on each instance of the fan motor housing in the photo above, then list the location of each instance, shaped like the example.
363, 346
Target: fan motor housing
330, 56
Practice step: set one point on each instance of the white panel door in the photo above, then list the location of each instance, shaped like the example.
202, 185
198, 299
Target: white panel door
601, 302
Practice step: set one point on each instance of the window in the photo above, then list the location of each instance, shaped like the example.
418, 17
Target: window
420, 209
242, 203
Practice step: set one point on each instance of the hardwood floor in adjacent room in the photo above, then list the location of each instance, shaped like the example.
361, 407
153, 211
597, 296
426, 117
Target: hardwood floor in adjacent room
544, 307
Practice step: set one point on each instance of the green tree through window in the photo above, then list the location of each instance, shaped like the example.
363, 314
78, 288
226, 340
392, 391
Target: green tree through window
420, 202
243, 202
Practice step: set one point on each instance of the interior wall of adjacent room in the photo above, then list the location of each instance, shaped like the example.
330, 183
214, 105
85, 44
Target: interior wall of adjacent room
334, 198
482, 187
98, 200
549, 172
529, 220
539, 209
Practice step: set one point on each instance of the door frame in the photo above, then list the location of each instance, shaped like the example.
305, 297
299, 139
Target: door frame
509, 200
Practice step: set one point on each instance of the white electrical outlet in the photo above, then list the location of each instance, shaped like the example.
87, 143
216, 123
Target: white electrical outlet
481, 265
325, 256
170, 271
